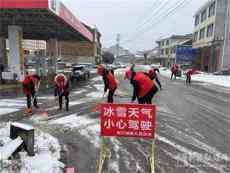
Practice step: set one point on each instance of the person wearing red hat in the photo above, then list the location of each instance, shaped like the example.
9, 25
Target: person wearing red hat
61, 89
144, 88
174, 70
30, 86
189, 76
110, 83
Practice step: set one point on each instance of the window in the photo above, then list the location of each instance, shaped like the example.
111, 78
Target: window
162, 52
211, 11
197, 20
167, 51
202, 33
195, 36
204, 15
210, 30
167, 42
163, 43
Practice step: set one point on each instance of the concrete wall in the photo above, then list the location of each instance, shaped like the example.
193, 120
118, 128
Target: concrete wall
226, 58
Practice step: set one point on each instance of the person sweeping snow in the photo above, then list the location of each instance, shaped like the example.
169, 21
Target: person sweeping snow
61, 89
110, 83
144, 88
31, 85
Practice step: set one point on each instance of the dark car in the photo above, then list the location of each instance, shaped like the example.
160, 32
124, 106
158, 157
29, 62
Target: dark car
80, 72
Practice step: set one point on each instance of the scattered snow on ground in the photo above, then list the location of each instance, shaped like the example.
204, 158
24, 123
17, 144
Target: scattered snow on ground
46, 159
48, 97
11, 105
99, 87
79, 92
7, 110
95, 79
86, 126
77, 102
98, 93
210, 158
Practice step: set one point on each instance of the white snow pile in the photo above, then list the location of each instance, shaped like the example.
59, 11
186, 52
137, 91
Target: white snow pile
213, 79
46, 159
203, 77
86, 126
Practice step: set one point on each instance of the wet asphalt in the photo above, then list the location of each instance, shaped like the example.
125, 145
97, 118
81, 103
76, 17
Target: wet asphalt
193, 130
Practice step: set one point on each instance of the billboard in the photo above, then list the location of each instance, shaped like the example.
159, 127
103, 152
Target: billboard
185, 54
128, 120
24, 4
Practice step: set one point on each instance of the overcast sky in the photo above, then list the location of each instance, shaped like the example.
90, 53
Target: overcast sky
136, 20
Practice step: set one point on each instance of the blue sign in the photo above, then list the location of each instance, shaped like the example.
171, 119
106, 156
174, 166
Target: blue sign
185, 54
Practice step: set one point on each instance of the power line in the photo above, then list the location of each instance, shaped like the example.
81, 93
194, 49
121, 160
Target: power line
161, 5
155, 18
161, 18
152, 10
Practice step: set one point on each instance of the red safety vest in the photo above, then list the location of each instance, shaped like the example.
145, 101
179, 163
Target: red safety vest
61, 83
112, 81
145, 84
28, 84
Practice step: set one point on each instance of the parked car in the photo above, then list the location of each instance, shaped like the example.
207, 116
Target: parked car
80, 72
90, 66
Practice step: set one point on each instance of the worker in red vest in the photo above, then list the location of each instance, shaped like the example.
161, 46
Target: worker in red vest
110, 83
61, 89
144, 87
189, 76
154, 76
174, 70
31, 85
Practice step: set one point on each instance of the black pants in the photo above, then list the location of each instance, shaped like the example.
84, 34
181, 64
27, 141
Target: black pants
158, 82
66, 101
29, 99
173, 74
188, 79
110, 96
147, 99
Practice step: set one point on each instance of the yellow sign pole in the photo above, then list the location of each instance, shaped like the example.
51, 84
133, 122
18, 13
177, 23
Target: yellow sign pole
152, 158
102, 156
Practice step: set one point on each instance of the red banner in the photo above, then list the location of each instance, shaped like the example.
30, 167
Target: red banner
130, 120
24, 4
69, 18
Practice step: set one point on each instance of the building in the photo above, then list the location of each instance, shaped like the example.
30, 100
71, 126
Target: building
211, 35
167, 48
82, 51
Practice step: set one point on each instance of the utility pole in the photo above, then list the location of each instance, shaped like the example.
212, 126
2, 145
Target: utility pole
118, 45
